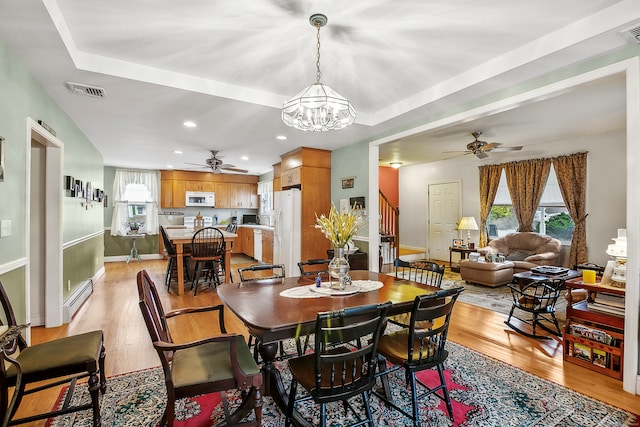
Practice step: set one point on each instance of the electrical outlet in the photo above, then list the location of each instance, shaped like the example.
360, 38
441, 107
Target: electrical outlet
68, 285
96, 260
5, 228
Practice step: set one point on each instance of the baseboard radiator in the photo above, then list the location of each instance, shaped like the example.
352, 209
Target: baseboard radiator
73, 303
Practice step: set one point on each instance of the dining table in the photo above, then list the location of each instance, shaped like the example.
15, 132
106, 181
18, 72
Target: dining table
277, 309
183, 236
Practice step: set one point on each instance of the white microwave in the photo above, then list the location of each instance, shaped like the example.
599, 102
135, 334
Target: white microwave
200, 198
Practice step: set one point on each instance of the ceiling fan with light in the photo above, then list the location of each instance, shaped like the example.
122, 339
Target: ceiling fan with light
216, 165
481, 148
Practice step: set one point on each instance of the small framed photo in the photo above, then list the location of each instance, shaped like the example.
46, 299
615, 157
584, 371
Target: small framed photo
347, 182
356, 203
458, 243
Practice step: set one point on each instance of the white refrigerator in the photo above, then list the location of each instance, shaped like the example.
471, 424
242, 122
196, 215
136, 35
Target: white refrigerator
287, 214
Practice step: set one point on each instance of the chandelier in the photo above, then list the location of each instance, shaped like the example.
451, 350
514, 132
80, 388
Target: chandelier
318, 107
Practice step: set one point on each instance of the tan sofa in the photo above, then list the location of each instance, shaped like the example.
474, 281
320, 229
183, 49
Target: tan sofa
491, 274
525, 250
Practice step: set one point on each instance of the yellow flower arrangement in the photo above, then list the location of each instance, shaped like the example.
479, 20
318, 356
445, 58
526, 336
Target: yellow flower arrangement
339, 227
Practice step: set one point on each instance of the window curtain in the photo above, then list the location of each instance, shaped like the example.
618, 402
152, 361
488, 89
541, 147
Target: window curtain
571, 172
526, 181
150, 179
489, 180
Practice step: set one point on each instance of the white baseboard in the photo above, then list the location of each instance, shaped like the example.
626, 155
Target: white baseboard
123, 258
75, 301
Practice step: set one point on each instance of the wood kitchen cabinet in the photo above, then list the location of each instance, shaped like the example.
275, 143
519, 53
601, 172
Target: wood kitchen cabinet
172, 193
199, 186
231, 190
245, 236
309, 169
267, 246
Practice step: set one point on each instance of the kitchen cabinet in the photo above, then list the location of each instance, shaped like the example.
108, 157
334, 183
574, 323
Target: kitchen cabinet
199, 186
267, 246
172, 193
243, 196
221, 191
246, 241
291, 177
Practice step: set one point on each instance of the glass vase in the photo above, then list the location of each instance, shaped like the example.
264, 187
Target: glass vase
338, 269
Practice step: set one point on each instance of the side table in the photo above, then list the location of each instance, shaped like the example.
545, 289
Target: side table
464, 253
134, 250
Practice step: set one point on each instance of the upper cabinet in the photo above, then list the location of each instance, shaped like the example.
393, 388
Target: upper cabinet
231, 190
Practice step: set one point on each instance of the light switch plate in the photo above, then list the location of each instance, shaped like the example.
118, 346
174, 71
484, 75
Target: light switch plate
5, 228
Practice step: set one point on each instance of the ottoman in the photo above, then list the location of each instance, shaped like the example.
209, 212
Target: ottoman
491, 274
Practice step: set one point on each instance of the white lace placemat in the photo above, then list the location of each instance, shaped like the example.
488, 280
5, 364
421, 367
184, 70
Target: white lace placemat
310, 291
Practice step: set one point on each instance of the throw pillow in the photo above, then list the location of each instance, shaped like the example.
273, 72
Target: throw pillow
518, 255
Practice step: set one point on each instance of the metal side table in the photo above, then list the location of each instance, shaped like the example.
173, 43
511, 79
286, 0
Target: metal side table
134, 250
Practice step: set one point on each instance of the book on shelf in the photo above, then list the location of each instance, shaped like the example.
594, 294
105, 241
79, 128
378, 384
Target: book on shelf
591, 334
600, 357
582, 351
603, 308
610, 300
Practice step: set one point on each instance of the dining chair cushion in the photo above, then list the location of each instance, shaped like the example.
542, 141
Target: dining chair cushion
394, 347
210, 362
70, 352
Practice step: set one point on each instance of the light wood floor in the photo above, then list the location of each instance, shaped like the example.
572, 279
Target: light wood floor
113, 308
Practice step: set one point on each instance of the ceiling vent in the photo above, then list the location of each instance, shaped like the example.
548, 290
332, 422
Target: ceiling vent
80, 89
632, 34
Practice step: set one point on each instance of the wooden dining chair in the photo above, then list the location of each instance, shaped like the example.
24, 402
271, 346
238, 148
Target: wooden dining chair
340, 366
214, 364
172, 262
422, 271
207, 251
314, 267
417, 349
56, 362
537, 301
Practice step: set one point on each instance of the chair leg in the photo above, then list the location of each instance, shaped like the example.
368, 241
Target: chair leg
167, 277
445, 391
367, 408
94, 392
196, 277
103, 375
414, 399
291, 404
323, 415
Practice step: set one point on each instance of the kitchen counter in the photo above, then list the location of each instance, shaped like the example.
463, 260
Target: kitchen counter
256, 226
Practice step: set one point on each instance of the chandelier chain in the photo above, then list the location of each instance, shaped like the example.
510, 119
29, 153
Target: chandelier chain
318, 73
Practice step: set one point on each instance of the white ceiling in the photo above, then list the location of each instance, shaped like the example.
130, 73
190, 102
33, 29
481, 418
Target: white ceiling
229, 66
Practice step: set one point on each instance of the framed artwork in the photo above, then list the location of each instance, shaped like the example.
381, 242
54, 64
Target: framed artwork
356, 203
458, 243
347, 182
1, 159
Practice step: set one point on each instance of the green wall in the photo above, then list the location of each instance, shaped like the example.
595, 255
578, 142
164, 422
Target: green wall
23, 97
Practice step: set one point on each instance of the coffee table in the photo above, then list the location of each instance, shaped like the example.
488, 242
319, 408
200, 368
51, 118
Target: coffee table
526, 277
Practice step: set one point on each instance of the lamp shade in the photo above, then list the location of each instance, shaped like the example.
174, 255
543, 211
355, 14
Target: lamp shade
468, 223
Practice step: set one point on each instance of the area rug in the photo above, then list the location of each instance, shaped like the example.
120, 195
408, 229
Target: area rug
485, 392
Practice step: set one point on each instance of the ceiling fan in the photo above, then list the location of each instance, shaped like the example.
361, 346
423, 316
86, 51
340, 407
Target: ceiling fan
216, 164
481, 148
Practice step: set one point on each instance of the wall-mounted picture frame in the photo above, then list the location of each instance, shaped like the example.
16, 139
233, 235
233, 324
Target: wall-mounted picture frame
356, 203
347, 182
458, 243
1, 159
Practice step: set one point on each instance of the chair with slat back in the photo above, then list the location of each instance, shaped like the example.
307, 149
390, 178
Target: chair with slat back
56, 362
172, 263
261, 272
538, 300
417, 349
339, 368
265, 272
427, 272
218, 363
208, 248
314, 267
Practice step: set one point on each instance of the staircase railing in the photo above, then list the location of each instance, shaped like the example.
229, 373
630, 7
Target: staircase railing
389, 228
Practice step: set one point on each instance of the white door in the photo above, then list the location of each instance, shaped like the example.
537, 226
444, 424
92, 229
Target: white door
444, 213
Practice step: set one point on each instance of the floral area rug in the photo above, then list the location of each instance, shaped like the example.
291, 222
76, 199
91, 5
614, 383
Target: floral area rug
484, 392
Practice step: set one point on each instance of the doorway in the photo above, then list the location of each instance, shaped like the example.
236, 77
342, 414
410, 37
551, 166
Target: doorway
43, 293
444, 213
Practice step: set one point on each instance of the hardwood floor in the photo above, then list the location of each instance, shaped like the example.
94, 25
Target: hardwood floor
113, 308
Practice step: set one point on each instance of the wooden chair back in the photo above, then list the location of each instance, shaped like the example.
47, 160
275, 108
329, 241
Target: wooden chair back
314, 266
207, 244
422, 271
261, 272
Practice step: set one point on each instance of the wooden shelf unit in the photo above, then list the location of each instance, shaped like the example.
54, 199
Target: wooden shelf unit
581, 314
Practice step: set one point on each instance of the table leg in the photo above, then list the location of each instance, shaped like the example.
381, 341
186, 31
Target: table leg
272, 382
227, 264
179, 251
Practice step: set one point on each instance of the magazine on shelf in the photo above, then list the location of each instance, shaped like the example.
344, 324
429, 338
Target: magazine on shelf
610, 299
600, 357
590, 333
582, 351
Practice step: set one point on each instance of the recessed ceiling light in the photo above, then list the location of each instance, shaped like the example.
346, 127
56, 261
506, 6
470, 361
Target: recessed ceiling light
169, 166
190, 124
281, 137
245, 157
395, 165
177, 151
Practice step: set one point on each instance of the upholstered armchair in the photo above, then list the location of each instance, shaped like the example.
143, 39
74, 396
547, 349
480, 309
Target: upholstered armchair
525, 250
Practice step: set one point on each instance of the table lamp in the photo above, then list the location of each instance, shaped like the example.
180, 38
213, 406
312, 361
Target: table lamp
468, 223
618, 251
